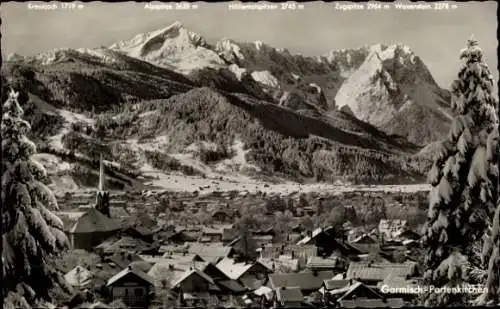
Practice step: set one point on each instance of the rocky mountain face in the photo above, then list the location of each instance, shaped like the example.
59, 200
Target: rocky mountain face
382, 85
169, 102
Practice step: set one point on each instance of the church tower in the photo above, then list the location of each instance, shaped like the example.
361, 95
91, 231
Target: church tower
102, 199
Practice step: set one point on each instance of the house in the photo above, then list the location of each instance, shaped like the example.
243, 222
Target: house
79, 277
308, 282
328, 243
124, 243
178, 236
139, 232
293, 238
300, 252
284, 263
251, 274
288, 297
224, 215
229, 235
214, 233
365, 243
261, 240
91, 229
373, 273
173, 249
123, 258
359, 295
212, 252
195, 281
359, 290
389, 228
332, 286
226, 284
334, 264
170, 267
132, 286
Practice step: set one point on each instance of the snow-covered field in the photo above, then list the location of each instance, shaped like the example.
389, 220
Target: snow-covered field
180, 183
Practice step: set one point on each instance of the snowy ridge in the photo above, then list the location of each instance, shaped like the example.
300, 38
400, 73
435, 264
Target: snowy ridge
57, 55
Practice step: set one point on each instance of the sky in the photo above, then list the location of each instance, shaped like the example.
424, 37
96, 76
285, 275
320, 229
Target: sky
436, 36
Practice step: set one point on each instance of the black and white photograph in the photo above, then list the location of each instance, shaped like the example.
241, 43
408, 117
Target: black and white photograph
249, 155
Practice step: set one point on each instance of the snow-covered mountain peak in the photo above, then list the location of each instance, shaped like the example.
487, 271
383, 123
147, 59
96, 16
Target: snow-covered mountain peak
173, 47
229, 50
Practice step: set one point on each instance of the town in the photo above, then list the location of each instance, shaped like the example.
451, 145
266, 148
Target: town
231, 249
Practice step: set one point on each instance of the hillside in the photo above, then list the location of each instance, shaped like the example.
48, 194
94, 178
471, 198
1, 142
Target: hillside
261, 114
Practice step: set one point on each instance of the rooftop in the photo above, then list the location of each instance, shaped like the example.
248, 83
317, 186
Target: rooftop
94, 221
235, 270
289, 294
379, 271
305, 280
131, 270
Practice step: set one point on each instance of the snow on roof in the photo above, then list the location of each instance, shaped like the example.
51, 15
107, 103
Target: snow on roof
94, 221
320, 262
191, 272
308, 238
379, 271
209, 252
232, 269
131, 270
305, 280
352, 288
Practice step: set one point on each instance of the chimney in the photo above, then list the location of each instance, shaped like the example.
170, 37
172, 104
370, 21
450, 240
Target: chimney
129, 267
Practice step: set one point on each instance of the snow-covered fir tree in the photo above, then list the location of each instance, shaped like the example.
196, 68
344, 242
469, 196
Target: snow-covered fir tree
491, 257
36, 233
464, 179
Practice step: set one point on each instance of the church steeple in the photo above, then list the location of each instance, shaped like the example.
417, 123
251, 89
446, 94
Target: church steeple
102, 198
101, 174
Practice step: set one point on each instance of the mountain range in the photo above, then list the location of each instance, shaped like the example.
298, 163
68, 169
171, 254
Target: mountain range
170, 103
